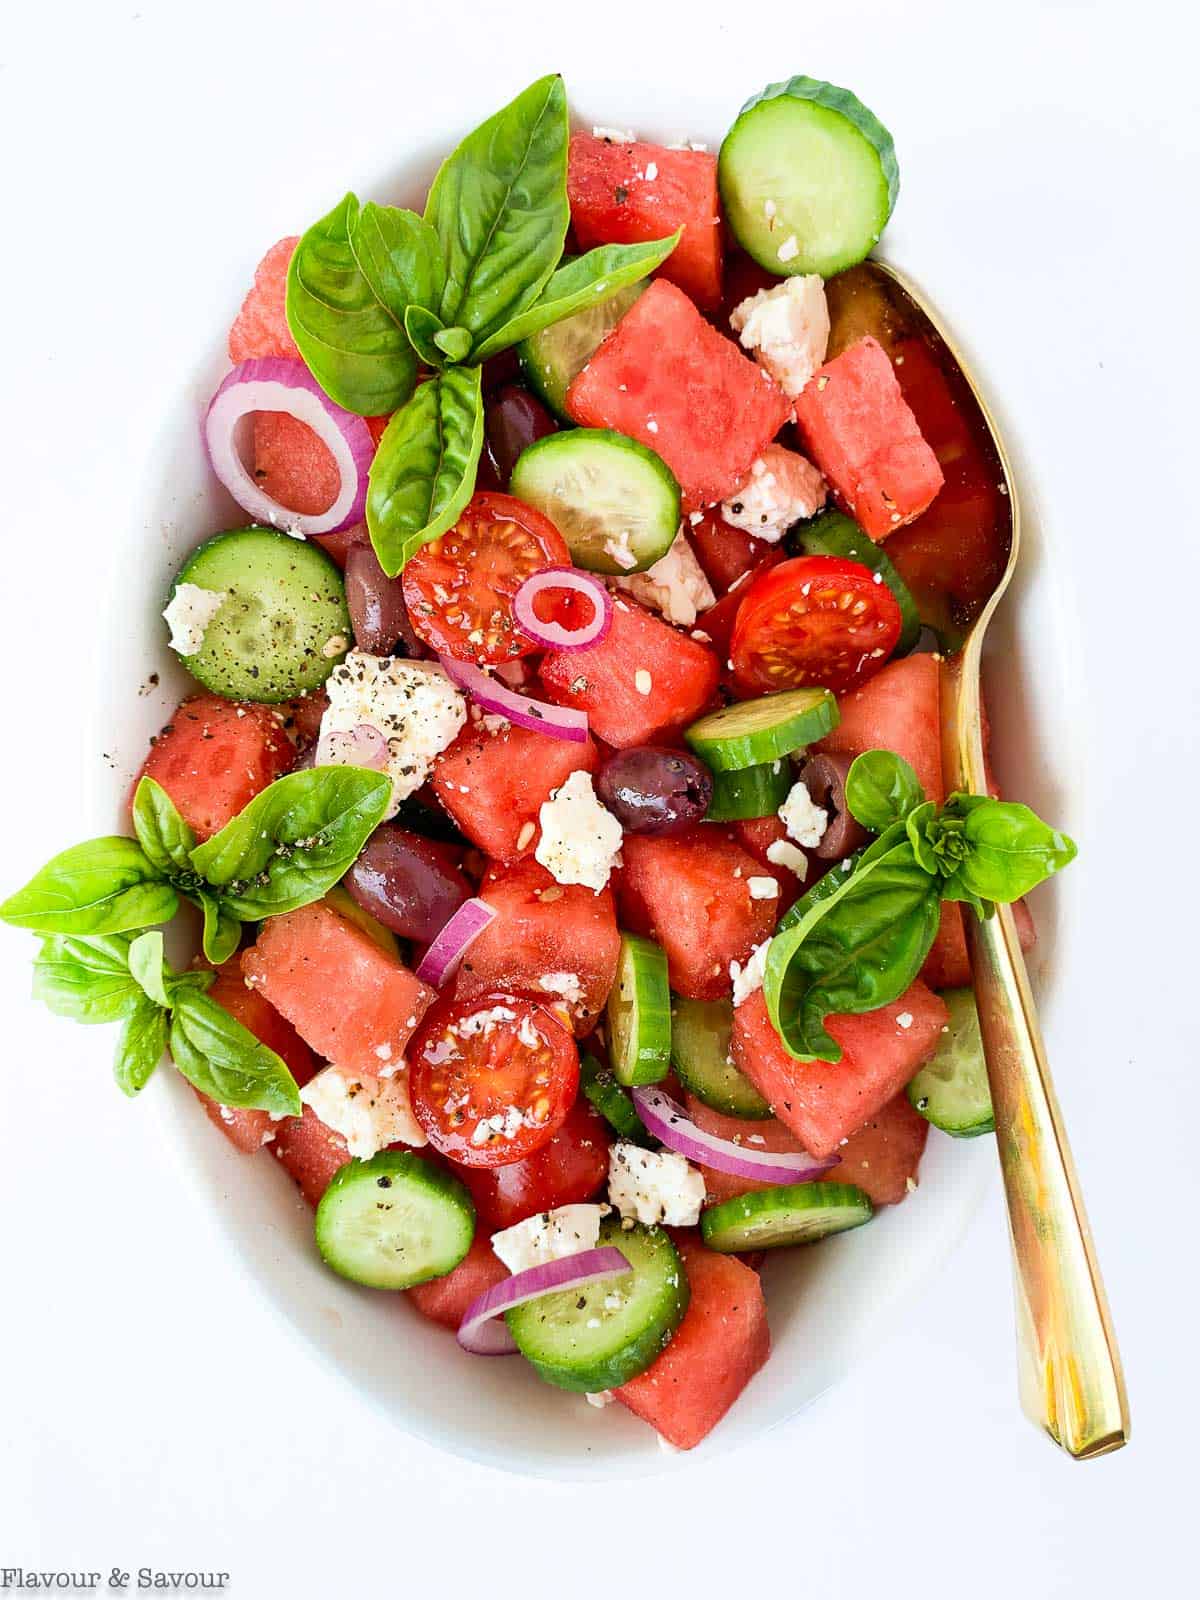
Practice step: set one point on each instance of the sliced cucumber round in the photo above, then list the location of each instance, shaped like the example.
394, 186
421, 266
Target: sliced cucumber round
752, 792
639, 1013
951, 1090
795, 1213
601, 1335
614, 501
750, 733
808, 178
552, 358
283, 625
393, 1221
701, 1055
832, 534
614, 1104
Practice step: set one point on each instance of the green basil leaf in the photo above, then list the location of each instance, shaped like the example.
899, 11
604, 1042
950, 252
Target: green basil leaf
881, 788
162, 833
104, 886
423, 473
141, 1046
953, 888
146, 966
422, 328
224, 1060
587, 281
222, 930
1010, 850
86, 979
454, 343
293, 841
917, 825
349, 322
499, 207
399, 255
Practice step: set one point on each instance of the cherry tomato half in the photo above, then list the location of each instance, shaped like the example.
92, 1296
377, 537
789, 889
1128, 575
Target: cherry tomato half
459, 589
566, 1171
492, 1079
814, 619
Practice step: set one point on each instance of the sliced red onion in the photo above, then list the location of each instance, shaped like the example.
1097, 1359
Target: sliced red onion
666, 1119
482, 1335
275, 383
553, 635
363, 746
441, 961
561, 722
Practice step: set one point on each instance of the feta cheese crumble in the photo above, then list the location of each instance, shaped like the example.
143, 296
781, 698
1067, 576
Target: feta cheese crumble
369, 1113
782, 488
565, 984
549, 1236
787, 327
601, 1398
614, 135
762, 888
748, 979
675, 586
789, 249
804, 821
188, 614
621, 551
783, 853
652, 1186
580, 840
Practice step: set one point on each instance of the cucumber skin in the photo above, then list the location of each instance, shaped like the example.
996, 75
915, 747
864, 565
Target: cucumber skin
743, 1210
390, 1163
833, 534
738, 796
614, 1104
534, 369
745, 1103
648, 964
735, 752
921, 1093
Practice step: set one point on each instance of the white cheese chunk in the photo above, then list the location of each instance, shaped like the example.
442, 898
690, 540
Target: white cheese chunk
652, 1186
675, 585
580, 840
564, 984
549, 1236
787, 328
369, 1113
615, 135
804, 821
188, 614
783, 853
782, 488
748, 979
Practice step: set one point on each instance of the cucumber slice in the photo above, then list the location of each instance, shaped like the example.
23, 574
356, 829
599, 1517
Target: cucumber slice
832, 534
808, 178
612, 1102
700, 1054
284, 625
599, 1337
752, 732
951, 1090
752, 792
552, 358
604, 492
393, 1221
795, 1213
639, 1013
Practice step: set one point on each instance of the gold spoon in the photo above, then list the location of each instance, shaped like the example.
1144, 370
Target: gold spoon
1069, 1368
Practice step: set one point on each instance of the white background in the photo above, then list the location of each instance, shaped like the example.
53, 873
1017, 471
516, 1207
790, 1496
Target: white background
152, 1409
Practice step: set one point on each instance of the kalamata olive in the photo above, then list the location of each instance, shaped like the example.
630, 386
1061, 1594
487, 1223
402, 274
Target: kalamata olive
512, 421
376, 604
410, 884
655, 790
824, 776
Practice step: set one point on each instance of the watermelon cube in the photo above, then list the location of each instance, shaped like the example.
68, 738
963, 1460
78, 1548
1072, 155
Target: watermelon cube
883, 1156
309, 1152
668, 378
628, 192
214, 756
859, 429
824, 1102
721, 1343
899, 709
347, 998
445, 1300
261, 326
292, 465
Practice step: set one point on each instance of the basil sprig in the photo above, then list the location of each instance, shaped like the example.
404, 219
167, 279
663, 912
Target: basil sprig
859, 938
376, 292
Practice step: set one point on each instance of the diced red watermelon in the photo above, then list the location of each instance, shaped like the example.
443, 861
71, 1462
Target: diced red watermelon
261, 326
691, 892
631, 192
541, 929
767, 1135
447, 1299
348, 999
900, 709
884, 1154
214, 756
758, 834
859, 429
668, 378
721, 1343
292, 465
641, 681
824, 1102
494, 784
726, 553
309, 1152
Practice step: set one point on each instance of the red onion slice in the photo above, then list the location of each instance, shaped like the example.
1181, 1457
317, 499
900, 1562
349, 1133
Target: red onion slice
441, 961
561, 722
275, 383
364, 746
482, 1335
553, 635
666, 1119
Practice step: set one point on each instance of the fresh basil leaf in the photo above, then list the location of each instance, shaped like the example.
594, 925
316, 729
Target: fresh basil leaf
399, 255
162, 833
422, 328
587, 281
88, 979
881, 788
917, 825
146, 962
423, 473
1008, 849
222, 931
499, 207
454, 343
347, 319
140, 1047
224, 1060
104, 886
293, 841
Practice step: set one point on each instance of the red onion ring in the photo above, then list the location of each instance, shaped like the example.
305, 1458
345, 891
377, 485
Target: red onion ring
482, 1335
363, 746
561, 722
552, 635
441, 961
275, 383
666, 1119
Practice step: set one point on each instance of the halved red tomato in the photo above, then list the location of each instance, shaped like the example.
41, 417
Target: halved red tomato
459, 589
567, 1171
815, 619
492, 1079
